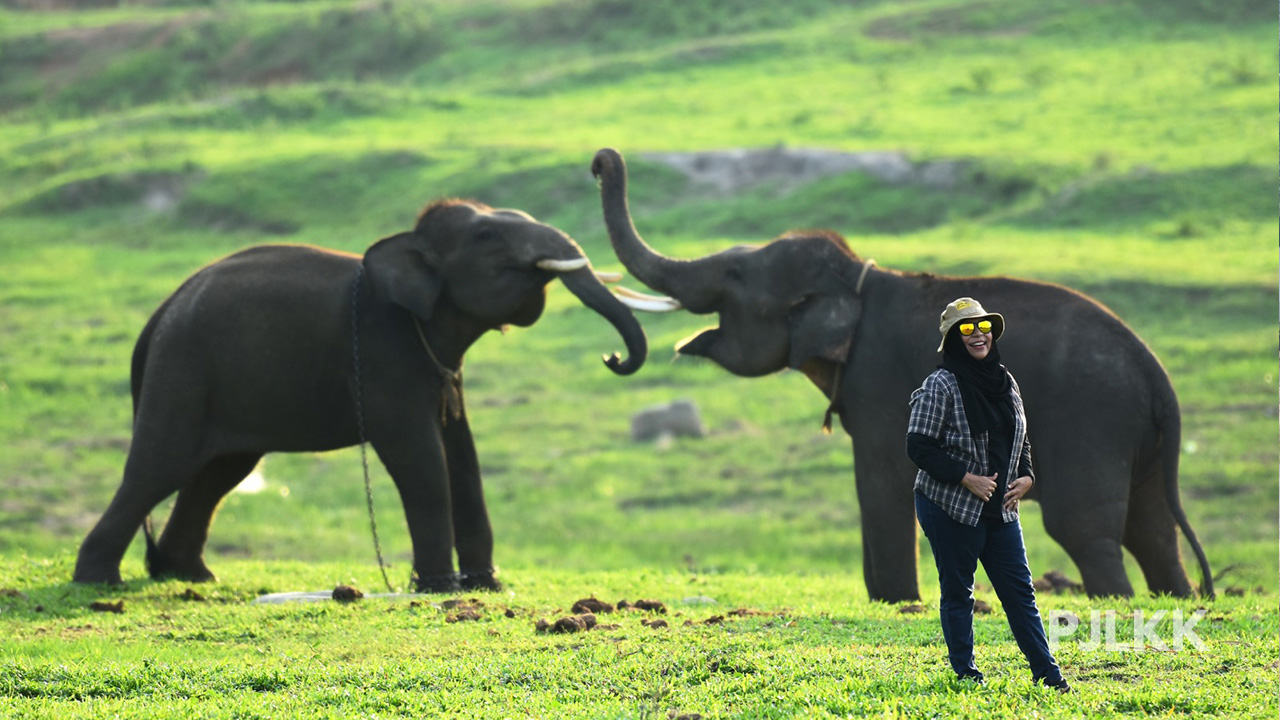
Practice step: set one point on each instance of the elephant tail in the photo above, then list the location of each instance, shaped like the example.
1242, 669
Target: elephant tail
155, 563
1170, 446
141, 350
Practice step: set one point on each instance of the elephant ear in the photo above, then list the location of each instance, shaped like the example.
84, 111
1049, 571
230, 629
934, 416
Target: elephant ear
822, 327
401, 273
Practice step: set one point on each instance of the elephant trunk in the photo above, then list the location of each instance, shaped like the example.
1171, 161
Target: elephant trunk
681, 279
583, 283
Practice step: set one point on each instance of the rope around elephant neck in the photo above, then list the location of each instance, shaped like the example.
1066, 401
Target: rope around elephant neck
835, 382
364, 456
451, 404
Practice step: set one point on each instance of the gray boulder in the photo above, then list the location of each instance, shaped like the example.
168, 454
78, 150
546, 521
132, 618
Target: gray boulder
676, 419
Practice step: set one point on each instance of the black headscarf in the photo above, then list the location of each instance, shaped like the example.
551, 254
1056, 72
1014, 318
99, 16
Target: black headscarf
984, 384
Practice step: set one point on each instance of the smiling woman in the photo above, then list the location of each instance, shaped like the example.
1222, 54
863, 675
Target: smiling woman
968, 436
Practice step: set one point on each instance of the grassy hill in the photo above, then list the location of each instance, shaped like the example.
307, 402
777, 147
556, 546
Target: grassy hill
1126, 148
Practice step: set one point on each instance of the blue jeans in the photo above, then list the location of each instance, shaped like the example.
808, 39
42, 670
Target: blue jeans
957, 548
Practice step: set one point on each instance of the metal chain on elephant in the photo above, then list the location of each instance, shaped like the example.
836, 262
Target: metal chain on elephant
364, 457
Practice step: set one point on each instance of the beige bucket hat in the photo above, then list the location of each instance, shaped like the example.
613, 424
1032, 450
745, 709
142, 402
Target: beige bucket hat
966, 308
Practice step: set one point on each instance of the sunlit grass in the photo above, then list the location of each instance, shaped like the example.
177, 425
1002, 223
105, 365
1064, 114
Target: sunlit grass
1136, 141
805, 644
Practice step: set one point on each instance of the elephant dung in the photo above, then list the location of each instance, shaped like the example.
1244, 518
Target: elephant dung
592, 605
645, 605
676, 419
346, 593
1055, 582
569, 624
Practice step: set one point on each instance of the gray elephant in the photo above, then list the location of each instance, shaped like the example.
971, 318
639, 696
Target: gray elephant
1104, 421
293, 348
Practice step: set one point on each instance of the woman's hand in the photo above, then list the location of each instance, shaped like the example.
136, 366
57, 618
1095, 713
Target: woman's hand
1017, 489
980, 485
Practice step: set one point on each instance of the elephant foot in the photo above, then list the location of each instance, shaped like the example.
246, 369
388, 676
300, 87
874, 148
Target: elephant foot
480, 580
201, 575
160, 567
436, 583
97, 576
895, 598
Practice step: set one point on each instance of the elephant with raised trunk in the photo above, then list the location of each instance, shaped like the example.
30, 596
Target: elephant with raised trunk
1103, 418
294, 348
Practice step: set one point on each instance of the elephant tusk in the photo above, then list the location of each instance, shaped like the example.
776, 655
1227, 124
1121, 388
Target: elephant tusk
608, 277
646, 303
562, 266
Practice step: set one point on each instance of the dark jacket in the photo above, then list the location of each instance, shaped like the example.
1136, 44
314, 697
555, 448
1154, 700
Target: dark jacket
938, 412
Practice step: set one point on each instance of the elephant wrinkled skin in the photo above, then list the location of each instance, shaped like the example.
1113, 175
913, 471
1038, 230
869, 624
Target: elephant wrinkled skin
256, 353
1104, 421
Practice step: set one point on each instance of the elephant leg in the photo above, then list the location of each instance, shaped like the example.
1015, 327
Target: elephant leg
889, 550
472, 533
419, 469
1151, 534
1091, 535
179, 554
152, 473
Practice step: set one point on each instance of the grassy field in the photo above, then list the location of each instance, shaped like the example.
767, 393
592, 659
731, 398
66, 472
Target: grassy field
1125, 148
734, 645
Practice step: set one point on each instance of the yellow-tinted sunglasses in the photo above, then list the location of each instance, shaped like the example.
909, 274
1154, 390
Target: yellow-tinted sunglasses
983, 326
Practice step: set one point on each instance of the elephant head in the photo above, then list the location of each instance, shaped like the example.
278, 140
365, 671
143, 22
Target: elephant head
785, 304
493, 265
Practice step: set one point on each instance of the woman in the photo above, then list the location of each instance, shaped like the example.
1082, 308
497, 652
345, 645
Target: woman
968, 436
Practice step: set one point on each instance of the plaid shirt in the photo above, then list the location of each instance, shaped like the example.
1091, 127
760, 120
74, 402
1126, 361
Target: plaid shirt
938, 412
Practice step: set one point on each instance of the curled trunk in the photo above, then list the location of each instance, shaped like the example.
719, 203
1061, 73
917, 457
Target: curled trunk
583, 283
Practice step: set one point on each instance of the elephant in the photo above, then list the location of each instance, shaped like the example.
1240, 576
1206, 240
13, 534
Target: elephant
1104, 421
296, 348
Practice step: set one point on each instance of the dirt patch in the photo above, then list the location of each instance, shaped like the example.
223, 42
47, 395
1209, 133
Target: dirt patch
726, 172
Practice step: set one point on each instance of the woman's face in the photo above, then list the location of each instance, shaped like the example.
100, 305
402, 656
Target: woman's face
978, 344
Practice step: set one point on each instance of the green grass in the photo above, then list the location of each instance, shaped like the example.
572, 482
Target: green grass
804, 647
1125, 148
